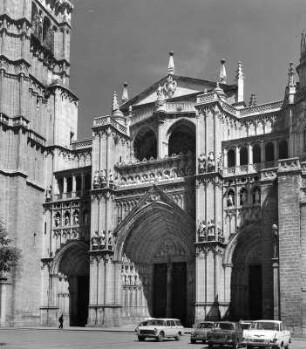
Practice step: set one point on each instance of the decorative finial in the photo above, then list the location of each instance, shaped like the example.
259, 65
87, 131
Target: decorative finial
125, 93
240, 83
253, 100
222, 75
115, 108
171, 66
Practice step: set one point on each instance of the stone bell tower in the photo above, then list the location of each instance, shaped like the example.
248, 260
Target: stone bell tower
38, 117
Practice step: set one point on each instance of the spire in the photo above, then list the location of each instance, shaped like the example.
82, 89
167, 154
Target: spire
222, 75
125, 93
291, 84
115, 107
291, 74
220, 91
253, 100
171, 66
240, 83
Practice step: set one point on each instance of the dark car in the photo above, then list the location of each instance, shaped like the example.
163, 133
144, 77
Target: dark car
200, 332
225, 333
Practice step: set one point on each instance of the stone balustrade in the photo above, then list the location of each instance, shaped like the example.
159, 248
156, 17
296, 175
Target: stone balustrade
154, 170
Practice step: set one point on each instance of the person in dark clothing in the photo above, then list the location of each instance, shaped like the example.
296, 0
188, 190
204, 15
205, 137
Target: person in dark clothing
61, 321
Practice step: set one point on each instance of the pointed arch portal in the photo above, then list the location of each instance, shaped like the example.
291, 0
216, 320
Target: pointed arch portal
71, 278
157, 240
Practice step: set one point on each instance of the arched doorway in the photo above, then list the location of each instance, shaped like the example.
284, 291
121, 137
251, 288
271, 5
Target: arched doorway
145, 144
156, 250
247, 276
71, 271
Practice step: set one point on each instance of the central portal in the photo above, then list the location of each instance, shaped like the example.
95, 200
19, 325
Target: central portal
169, 290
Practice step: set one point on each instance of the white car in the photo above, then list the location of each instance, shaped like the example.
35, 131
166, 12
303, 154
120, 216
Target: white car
160, 329
266, 334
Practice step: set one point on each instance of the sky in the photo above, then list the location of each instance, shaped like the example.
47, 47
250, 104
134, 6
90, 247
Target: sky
114, 41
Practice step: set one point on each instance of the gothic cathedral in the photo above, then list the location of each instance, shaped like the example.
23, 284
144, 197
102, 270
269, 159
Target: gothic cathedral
186, 202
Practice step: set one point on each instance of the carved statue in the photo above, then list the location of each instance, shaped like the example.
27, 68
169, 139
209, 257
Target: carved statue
256, 196
67, 218
110, 177
76, 217
243, 197
110, 238
57, 220
275, 241
202, 163
169, 87
211, 162
230, 199
103, 238
96, 180
202, 230
210, 229
160, 101
49, 193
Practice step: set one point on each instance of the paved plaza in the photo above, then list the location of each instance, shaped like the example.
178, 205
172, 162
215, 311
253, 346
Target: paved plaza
93, 339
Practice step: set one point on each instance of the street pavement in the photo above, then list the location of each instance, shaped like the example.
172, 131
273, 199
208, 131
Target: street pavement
92, 338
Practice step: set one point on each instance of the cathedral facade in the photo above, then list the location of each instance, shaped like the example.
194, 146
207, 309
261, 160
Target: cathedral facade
186, 202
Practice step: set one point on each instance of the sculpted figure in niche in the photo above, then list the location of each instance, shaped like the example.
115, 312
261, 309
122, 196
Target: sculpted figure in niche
96, 180
103, 238
211, 162
202, 163
67, 218
57, 220
275, 239
230, 198
110, 238
210, 229
256, 196
76, 217
49, 193
243, 196
202, 230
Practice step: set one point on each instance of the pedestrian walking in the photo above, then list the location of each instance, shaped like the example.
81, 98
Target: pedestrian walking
61, 321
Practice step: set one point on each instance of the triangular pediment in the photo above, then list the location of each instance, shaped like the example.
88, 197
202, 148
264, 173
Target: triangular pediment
174, 87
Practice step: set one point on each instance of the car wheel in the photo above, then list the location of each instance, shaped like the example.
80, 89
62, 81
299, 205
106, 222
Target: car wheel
203, 341
192, 341
160, 337
141, 339
177, 338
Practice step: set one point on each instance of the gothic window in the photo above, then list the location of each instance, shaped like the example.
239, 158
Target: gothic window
87, 181
231, 158
182, 138
256, 154
243, 195
243, 156
85, 217
78, 183
60, 185
283, 150
269, 150
145, 144
69, 185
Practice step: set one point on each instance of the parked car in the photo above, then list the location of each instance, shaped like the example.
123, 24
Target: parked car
225, 333
200, 332
267, 333
159, 329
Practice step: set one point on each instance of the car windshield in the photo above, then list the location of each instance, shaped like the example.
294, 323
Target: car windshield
225, 326
205, 325
265, 326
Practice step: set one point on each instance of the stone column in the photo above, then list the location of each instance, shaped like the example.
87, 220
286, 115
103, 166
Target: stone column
74, 185
250, 154
225, 158
237, 156
276, 305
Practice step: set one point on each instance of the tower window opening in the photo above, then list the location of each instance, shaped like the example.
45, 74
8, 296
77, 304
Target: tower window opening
231, 158
283, 149
182, 140
145, 144
256, 154
269, 150
243, 156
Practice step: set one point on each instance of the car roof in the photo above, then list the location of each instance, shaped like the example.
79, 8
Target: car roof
277, 321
